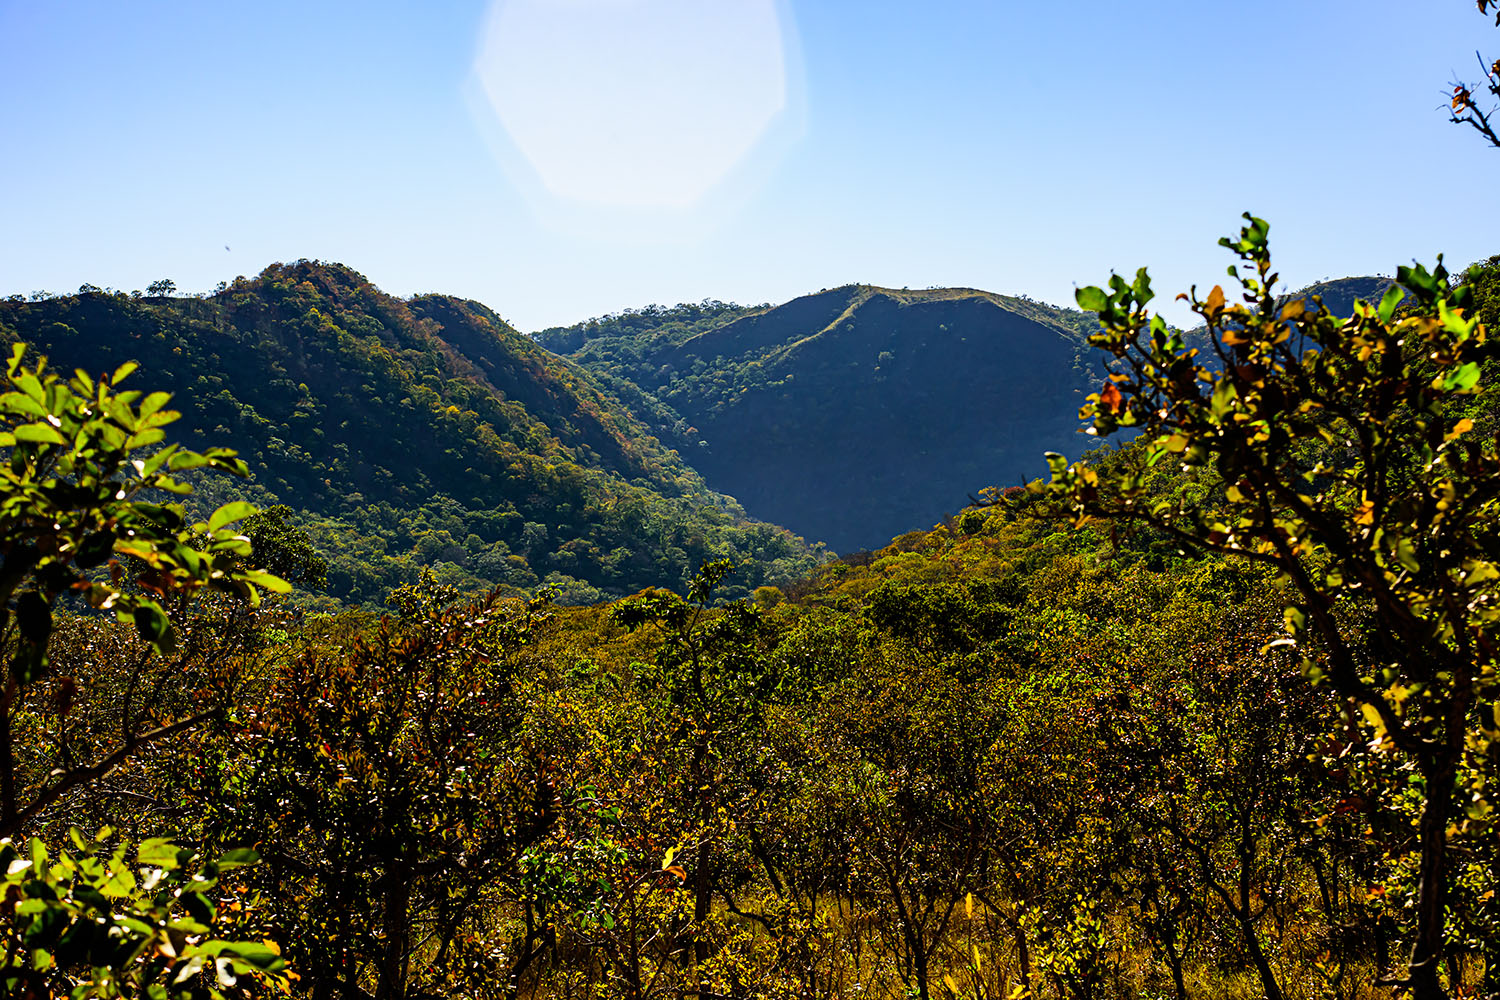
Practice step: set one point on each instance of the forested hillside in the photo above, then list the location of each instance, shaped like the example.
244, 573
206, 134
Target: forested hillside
857, 413
414, 433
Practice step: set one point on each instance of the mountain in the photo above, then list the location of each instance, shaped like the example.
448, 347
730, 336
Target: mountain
412, 433
854, 414
1339, 294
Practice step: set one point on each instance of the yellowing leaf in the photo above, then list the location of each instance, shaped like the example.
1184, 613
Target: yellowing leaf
1215, 301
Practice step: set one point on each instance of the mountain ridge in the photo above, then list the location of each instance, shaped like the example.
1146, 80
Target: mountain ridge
829, 411
416, 433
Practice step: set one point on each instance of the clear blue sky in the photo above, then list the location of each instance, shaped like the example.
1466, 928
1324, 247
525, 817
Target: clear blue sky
558, 159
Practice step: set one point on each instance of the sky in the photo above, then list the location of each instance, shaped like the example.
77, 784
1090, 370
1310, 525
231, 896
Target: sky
561, 159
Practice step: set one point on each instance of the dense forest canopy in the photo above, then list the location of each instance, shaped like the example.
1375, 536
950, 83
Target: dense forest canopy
420, 433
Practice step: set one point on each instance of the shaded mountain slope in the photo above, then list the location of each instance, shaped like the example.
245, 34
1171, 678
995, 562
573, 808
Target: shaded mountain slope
1339, 294
857, 413
412, 433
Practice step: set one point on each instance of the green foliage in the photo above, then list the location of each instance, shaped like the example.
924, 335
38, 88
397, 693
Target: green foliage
110, 921
417, 434
1044, 751
72, 497
84, 463
385, 774
633, 329
1341, 453
279, 548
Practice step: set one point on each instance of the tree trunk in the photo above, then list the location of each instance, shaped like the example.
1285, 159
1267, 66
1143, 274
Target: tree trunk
396, 929
1023, 950
7, 761
1262, 964
920, 960
1427, 950
1174, 961
703, 868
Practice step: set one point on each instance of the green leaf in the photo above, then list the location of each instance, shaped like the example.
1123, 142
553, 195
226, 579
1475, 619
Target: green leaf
269, 581
40, 433
258, 955
158, 852
1141, 287
185, 460
229, 513
31, 386
238, 858
1296, 620
154, 402
1459, 380
16, 402
1389, 301
1092, 299
123, 372
152, 623
121, 883
1224, 397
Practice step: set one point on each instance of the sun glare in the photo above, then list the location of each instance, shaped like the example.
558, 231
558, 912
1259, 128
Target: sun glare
634, 103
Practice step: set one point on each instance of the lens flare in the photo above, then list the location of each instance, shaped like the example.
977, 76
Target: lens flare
634, 103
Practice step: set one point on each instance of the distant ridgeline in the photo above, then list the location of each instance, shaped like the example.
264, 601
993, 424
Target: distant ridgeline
1339, 295
429, 433
412, 433
858, 413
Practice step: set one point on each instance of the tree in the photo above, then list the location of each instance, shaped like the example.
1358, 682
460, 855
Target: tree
712, 674
75, 521
385, 780
278, 547
1337, 451
161, 287
1464, 107
1215, 765
921, 819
